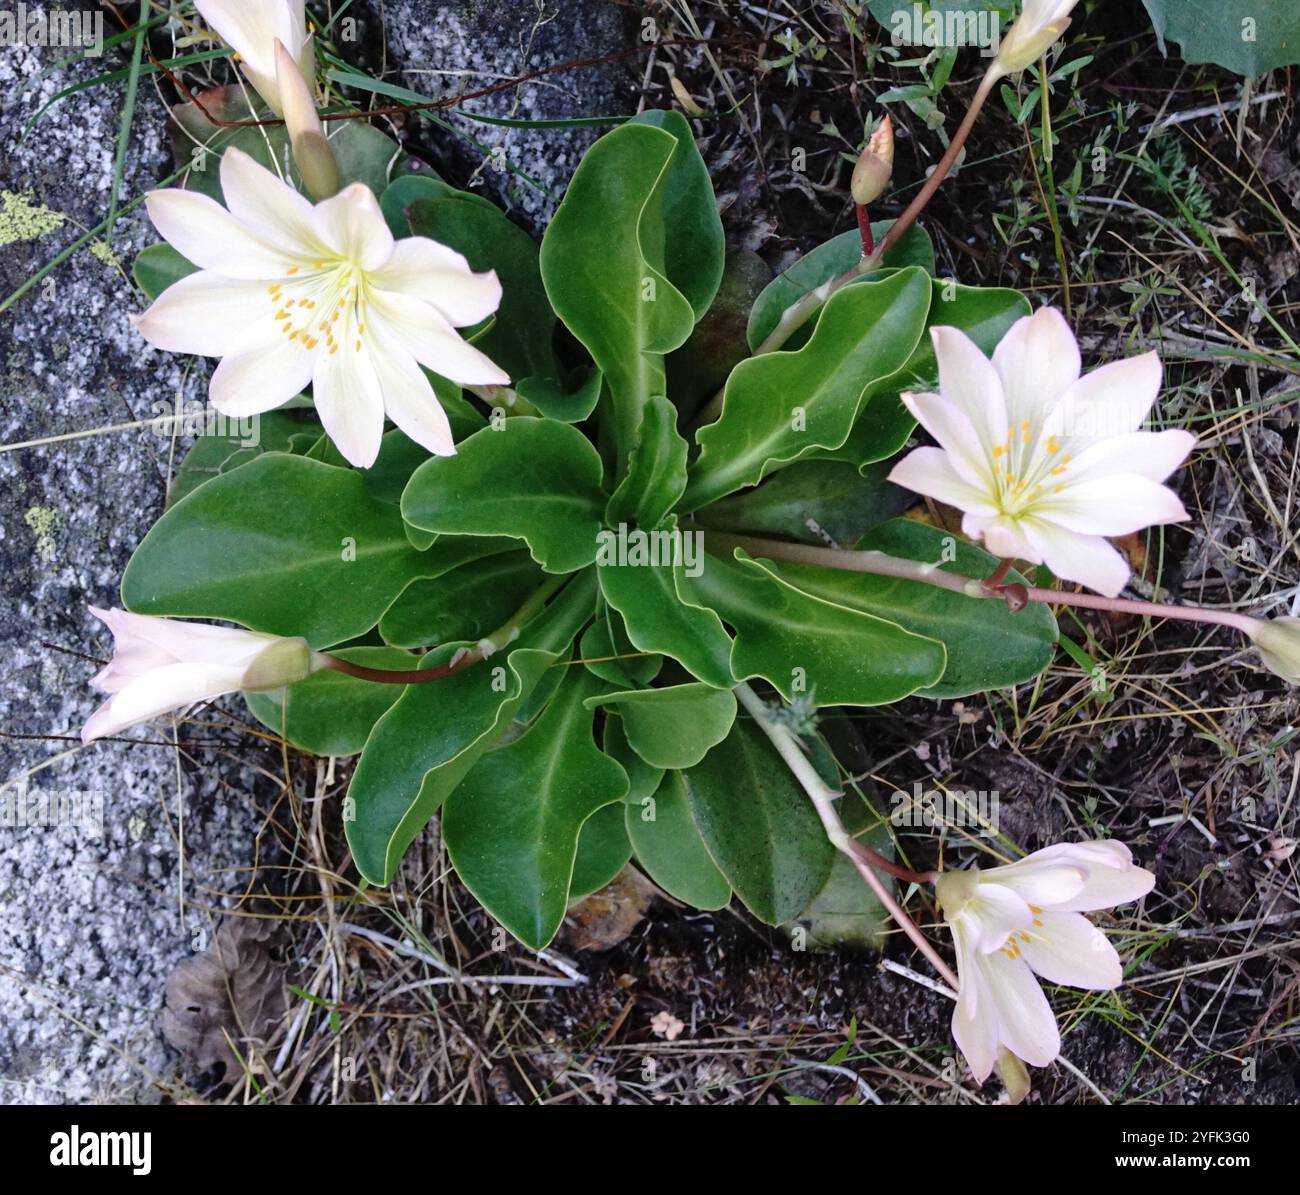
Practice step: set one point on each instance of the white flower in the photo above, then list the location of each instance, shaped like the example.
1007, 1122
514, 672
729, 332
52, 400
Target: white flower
159, 664
288, 293
1038, 26
1010, 923
1043, 462
251, 28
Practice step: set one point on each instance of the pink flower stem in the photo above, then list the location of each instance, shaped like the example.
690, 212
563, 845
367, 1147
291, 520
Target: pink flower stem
863, 858
880, 565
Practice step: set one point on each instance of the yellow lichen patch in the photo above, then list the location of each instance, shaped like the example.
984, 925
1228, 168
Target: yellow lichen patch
103, 251
23, 220
44, 522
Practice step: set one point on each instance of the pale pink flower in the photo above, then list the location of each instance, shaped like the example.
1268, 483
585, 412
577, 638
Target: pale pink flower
1010, 924
1046, 463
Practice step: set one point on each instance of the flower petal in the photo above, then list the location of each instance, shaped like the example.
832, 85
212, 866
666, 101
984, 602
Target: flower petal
424, 269
409, 398
995, 913
950, 425
203, 232
1026, 1025
1114, 505
1036, 882
270, 209
261, 376
969, 381
352, 225
1154, 455
930, 471
202, 313
974, 1019
162, 689
1037, 361
433, 342
1109, 401
1067, 948
1087, 559
1003, 535
1112, 878
349, 400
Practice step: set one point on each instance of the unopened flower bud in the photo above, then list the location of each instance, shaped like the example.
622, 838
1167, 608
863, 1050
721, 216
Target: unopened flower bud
875, 166
311, 148
1278, 644
1029, 38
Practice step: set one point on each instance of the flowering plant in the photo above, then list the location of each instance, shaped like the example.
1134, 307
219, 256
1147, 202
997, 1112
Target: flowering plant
534, 604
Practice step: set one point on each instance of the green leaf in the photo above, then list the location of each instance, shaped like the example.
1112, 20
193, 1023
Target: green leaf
605, 264
511, 827
785, 405
674, 727
669, 847
985, 314
158, 266
846, 910
330, 713
434, 733
408, 189
643, 780
827, 261
468, 602
656, 470
988, 646
603, 851
759, 826
1218, 31
284, 545
519, 339
608, 653
531, 479
659, 620
805, 645
810, 500
557, 401
694, 246
220, 446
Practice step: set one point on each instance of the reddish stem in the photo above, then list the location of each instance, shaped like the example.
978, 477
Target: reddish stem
864, 227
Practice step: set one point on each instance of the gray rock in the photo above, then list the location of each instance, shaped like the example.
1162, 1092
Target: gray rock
90, 923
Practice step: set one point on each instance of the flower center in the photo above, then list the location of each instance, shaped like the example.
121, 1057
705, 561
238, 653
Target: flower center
324, 301
1026, 466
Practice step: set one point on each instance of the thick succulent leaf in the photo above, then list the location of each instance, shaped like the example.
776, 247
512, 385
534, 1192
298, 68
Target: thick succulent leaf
673, 727
827, 261
603, 851
512, 825
808, 647
1249, 37
759, 826
434, 733
811, 501
532, 479
786, 405
282, 544
668, 846
656, 470
468, 602
658, 619
608, 653
988, 646
330, 713
605, 263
